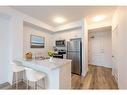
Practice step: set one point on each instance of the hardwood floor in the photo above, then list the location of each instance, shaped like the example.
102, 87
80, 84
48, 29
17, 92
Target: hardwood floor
97, 78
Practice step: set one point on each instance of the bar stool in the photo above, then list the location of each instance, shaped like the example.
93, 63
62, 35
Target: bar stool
16, 68
34, 76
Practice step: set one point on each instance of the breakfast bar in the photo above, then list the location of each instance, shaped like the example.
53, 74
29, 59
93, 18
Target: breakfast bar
58, 72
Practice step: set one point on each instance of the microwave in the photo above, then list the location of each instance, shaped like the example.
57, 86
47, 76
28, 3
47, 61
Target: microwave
60, 43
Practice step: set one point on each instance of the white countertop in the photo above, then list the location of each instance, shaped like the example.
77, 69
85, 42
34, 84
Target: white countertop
45, 64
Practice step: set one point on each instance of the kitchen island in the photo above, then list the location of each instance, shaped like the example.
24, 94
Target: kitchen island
58, 72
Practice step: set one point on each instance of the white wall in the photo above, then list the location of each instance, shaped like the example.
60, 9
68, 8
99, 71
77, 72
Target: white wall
16, 29
84, 47
120, 21
27, 31
4, 49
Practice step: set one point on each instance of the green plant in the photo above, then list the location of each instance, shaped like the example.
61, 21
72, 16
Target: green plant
51, 53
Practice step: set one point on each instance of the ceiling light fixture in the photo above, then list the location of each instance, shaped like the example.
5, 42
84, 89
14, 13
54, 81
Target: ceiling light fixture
59, 20
99, 18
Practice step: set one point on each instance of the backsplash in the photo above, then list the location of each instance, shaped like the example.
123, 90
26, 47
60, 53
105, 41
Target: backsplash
26, 41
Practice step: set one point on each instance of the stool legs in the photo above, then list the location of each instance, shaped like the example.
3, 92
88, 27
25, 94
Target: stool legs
27, 84
16, 78
35, 85
44, 82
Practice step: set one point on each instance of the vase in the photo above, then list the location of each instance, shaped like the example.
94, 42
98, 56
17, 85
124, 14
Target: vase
51, 59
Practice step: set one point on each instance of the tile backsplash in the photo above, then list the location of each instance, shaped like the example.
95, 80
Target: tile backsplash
26, 41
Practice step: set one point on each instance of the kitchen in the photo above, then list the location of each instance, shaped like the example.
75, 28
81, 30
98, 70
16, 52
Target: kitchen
61, 49
60, 44
49, 39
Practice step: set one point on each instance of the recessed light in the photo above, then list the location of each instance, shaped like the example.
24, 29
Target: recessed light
59, 20
99, 18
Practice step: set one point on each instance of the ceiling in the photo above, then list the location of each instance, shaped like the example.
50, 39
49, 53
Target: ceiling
46, 14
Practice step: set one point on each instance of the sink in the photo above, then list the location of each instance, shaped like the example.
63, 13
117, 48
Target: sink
41, 58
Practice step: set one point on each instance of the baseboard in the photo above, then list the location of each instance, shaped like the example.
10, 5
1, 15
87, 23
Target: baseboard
84, 73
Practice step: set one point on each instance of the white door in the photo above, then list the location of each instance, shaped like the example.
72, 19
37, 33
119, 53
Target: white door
100, 48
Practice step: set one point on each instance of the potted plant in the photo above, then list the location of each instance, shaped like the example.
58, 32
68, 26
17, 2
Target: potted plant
51, 54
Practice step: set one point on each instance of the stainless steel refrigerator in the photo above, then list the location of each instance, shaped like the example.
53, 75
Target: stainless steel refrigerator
74, 52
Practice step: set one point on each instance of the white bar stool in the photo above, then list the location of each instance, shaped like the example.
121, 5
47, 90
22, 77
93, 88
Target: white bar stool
16, 68
34, 76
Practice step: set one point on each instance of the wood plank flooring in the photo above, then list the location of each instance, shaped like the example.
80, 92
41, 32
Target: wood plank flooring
97, 78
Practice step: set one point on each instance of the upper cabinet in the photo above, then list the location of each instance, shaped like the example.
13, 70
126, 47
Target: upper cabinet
67, 35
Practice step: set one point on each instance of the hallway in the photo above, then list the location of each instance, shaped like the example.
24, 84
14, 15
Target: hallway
97, 78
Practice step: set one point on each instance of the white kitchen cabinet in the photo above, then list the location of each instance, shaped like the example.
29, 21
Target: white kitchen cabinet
67, 35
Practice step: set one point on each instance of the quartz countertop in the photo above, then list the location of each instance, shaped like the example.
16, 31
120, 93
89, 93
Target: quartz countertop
45, 64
